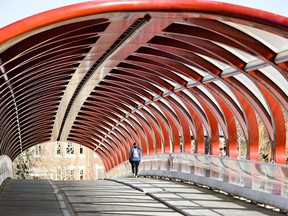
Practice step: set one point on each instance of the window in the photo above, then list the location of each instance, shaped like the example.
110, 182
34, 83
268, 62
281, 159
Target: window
69, 174
70, 149
58, 148
72, 174
81, 150
81, 174
39, 150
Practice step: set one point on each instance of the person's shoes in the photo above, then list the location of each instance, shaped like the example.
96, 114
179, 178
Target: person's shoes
134, 175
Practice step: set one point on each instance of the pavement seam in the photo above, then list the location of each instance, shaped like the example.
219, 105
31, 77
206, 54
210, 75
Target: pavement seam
127, 184
180, 211
62, 200
168, 204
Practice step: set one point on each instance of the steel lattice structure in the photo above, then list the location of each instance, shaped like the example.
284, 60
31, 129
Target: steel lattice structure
162, 73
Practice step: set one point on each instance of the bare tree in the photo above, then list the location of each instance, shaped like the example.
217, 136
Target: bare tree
23, 165
54, 165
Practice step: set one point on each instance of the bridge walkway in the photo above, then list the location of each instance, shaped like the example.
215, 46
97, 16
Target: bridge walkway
150, 196
122, 196
31, 197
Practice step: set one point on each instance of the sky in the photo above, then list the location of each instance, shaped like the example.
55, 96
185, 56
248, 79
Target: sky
14, 10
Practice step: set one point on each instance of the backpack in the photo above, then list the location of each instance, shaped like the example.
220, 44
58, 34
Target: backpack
135, 153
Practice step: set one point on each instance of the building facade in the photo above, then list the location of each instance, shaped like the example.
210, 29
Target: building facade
66, 161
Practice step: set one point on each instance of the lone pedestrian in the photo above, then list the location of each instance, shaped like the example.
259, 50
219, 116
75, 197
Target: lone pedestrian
135, 158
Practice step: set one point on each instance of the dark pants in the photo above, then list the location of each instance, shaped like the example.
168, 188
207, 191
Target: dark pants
134, 165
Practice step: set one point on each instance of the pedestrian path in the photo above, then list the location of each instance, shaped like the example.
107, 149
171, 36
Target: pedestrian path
194, 200
104, 197
121, 197
31, 197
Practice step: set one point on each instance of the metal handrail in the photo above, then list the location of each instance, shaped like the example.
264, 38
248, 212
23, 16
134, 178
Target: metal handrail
261, 182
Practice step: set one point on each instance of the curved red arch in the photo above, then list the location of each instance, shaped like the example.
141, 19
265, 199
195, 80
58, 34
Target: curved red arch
151, 77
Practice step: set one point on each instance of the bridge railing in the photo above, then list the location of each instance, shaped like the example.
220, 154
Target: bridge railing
265, 183
5, 168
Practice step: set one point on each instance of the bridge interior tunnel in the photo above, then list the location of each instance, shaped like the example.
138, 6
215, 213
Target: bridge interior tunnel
173, 77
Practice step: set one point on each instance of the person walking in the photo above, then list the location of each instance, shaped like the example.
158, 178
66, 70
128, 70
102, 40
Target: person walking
135, 158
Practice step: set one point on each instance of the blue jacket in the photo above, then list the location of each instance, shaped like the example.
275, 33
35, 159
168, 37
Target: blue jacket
135, 158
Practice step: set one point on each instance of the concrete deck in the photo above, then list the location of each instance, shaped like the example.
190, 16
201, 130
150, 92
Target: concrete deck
137, 196
110, 198
30, 197
194, 200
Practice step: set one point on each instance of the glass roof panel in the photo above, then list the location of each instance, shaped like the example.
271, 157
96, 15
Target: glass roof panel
160, 87
134, 118
168, 104
188, 79
217, 63
225, 88
208, 93
178, 99
150, 92
199, 71
156, 106
170, 82
253, 88
276, 77
246, 57
188, 93
274, 42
